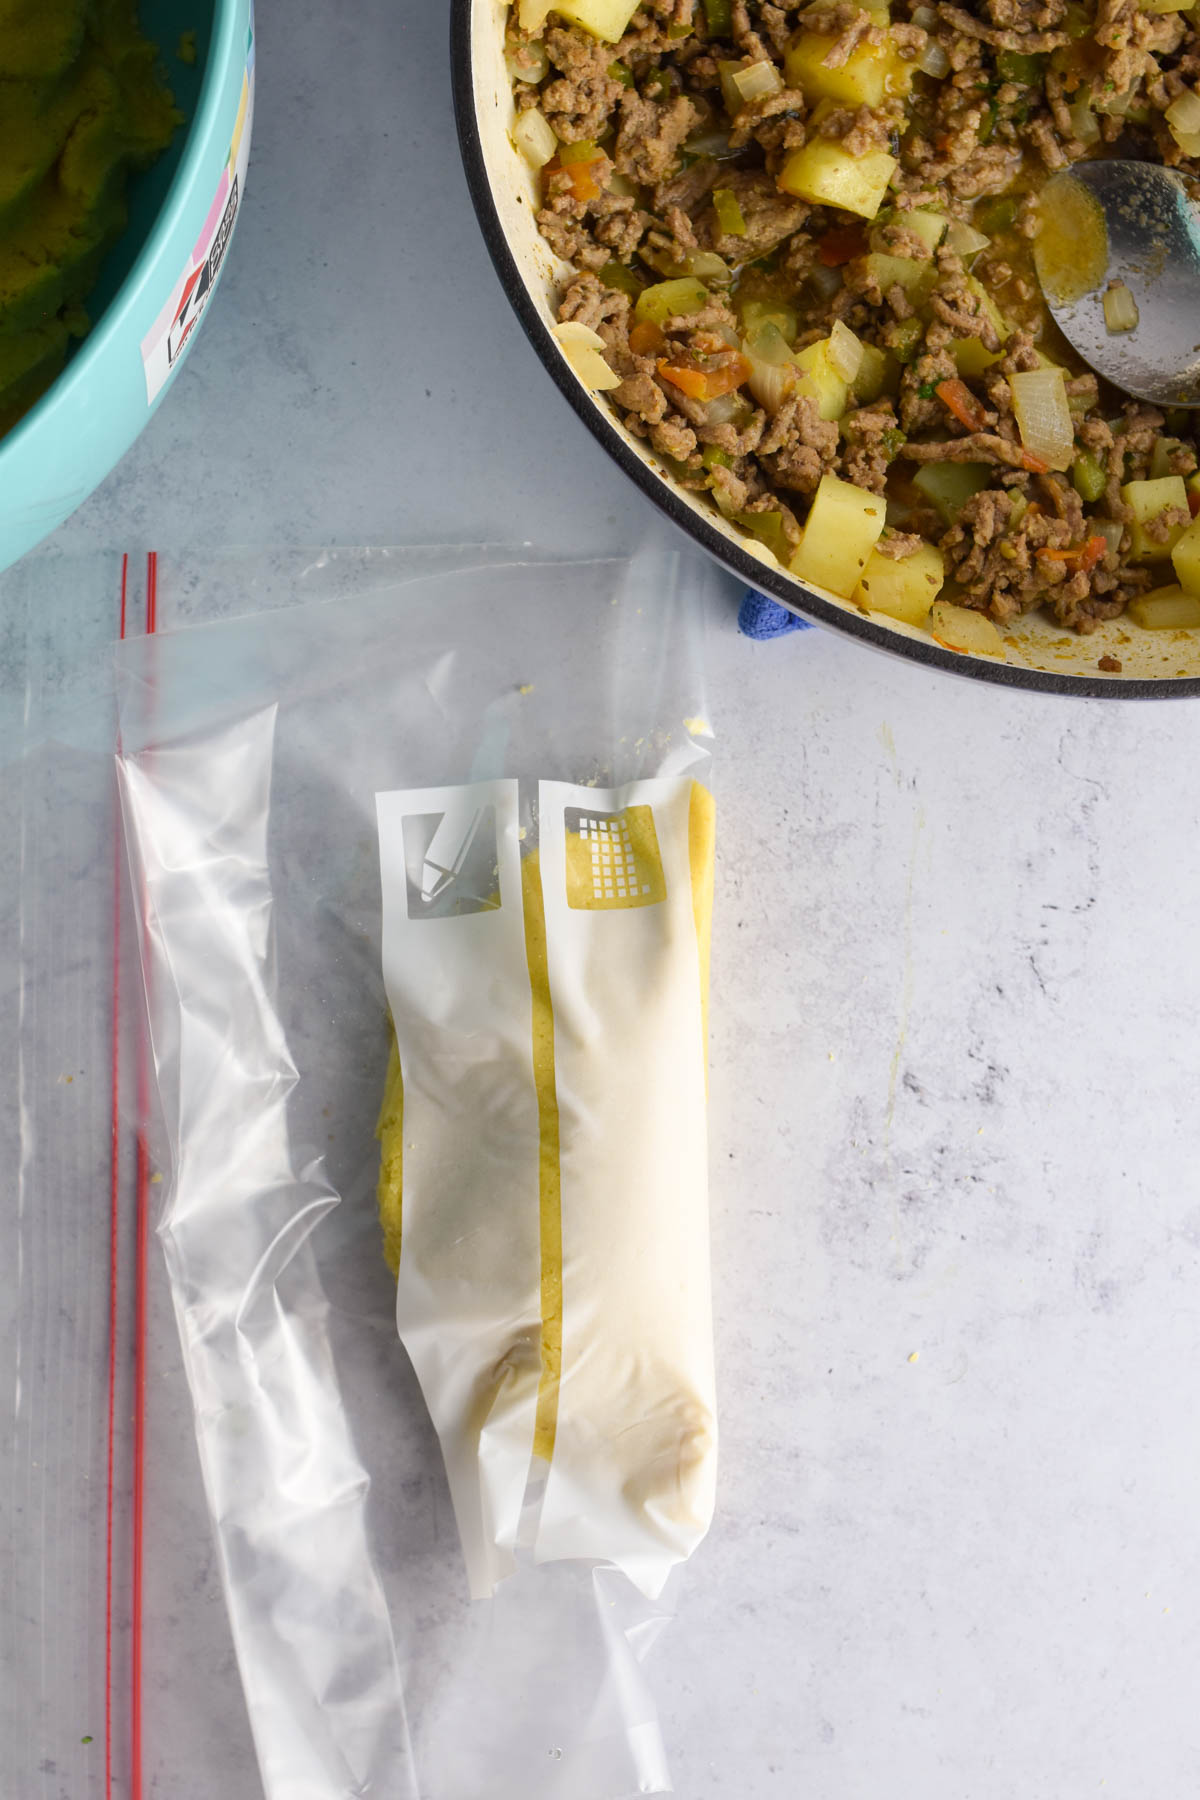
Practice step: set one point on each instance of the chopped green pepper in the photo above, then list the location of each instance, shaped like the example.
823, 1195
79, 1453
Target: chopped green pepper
927, 390
718, 16
583, 151
1077, 23
891, 441
904, 339
730, 216
713, 457
988, 124
676, 31
950, 485
616, 275
619, 71
664, 299
996, 216
1026, 71
1088, 476
767, 527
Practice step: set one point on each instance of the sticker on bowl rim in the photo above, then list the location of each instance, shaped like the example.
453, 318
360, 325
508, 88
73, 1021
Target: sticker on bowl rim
169, 337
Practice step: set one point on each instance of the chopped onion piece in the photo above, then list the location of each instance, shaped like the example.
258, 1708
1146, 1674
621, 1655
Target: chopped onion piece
1118, 103
1185, 111
770, 381
845, 351
527, 62
824, 282
707, 266
1111, 530
582, 346
1043, 415
1188, 141
724, 409
534, 138
712, 142
756, 82
1084, 123
767, 343
933, 60
925, 17
964, 240
1120, 308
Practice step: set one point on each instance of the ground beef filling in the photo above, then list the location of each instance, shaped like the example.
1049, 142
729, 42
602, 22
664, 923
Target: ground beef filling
668, 169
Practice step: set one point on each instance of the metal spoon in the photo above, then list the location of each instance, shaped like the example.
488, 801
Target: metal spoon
1154, 248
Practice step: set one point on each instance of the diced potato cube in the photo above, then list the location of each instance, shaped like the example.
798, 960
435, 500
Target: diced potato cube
821, 380
842, 529
606, 19
1186, 557
1166, 609
918, 279
962, 628
905, 589
826, 173
869, 75
1149, 499
970, 357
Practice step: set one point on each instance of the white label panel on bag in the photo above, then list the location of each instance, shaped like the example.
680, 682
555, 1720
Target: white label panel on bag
468, 1302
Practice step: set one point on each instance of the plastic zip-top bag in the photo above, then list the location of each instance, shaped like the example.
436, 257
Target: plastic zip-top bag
451, 844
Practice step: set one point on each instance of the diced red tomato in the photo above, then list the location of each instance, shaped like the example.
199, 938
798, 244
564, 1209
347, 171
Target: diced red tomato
1082, 557
647, 338
581, 175
708, 384
692, 382
841, 245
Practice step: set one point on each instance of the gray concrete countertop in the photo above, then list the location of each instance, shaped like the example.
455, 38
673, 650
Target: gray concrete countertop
955, 1131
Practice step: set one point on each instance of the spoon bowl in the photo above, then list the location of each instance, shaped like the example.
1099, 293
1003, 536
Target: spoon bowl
1153, 247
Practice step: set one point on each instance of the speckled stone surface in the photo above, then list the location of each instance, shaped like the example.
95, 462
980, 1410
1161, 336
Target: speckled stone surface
955, 1066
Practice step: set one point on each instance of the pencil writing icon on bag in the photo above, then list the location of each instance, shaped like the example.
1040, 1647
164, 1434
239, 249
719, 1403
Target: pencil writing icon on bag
613, 859
451, 863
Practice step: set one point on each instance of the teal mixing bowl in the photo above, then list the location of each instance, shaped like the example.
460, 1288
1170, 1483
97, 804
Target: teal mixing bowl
155, 284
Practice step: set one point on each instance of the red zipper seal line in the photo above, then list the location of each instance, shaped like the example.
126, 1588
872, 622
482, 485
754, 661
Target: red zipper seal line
141, 1257
114, 1201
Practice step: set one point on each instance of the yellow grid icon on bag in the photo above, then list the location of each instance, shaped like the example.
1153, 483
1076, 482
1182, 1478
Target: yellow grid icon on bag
613, 860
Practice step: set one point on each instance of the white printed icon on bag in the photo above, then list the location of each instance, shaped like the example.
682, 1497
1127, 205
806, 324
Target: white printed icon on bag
613, 859
451, 863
